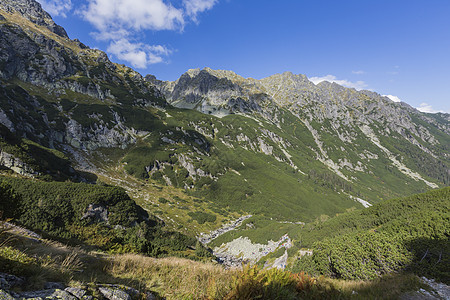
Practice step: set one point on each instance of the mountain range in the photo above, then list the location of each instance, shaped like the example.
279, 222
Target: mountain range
211, 146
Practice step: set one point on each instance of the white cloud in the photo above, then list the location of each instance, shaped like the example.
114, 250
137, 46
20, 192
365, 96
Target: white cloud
107, 15
56, 7
359, 72
393, 98
193, 7
120, 21
427, 108
138, 54
358, 85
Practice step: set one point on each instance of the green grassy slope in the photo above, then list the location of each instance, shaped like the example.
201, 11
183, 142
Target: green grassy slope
410, 233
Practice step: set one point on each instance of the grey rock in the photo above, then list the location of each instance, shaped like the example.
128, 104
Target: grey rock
47, 294
440, 289
8, 281
96, 213
16, 164
54, 285
209, 91
114, 293
77, 292
61, 294
5, 296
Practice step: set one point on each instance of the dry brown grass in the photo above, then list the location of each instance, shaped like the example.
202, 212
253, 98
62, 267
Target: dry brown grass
174, 278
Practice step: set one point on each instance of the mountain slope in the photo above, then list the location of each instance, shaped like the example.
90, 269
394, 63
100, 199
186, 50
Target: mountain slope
409, 233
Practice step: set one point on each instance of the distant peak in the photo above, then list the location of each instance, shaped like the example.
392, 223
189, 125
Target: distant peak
193, 72
221, 73
32, 10
287, 75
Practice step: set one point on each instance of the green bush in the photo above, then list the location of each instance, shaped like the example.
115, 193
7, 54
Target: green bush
202, 217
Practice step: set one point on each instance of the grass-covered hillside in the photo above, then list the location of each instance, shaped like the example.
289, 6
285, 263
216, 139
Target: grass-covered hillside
408, 234
93, 216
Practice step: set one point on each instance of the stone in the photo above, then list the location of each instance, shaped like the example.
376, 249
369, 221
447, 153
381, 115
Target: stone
114, 293
48, 294
54, 285
5, 296
8, 281
77, 292
96, 213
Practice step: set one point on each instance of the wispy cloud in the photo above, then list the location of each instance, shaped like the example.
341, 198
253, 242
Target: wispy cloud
427, 108
194, 7
358, 85
359, 72
121, 21
56, 7
393, 98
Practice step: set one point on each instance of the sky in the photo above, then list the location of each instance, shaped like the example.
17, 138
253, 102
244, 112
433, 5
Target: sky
399, 48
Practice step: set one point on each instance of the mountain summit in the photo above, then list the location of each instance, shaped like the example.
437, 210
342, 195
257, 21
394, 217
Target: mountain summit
32, 11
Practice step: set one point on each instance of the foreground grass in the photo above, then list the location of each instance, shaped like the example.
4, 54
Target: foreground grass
176, 278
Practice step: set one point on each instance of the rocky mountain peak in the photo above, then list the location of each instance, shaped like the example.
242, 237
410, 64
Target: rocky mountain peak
224, 74
32, 11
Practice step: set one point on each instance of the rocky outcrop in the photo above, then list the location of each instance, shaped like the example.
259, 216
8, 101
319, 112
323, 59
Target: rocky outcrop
96, 213
99, 135
33, 11
10, 284
17, 165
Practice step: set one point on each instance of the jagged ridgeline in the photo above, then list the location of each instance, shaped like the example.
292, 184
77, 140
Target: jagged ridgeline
281, 147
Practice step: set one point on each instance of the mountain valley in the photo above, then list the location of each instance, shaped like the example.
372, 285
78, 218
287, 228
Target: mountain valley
92, 149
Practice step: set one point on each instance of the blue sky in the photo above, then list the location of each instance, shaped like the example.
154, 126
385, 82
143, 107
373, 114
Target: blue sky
396, 47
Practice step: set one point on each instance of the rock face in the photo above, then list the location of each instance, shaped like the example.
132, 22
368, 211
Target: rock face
34, 50
16, 164
213, 92
33, 11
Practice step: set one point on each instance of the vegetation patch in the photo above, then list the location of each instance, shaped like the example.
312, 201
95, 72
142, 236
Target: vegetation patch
409, 234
